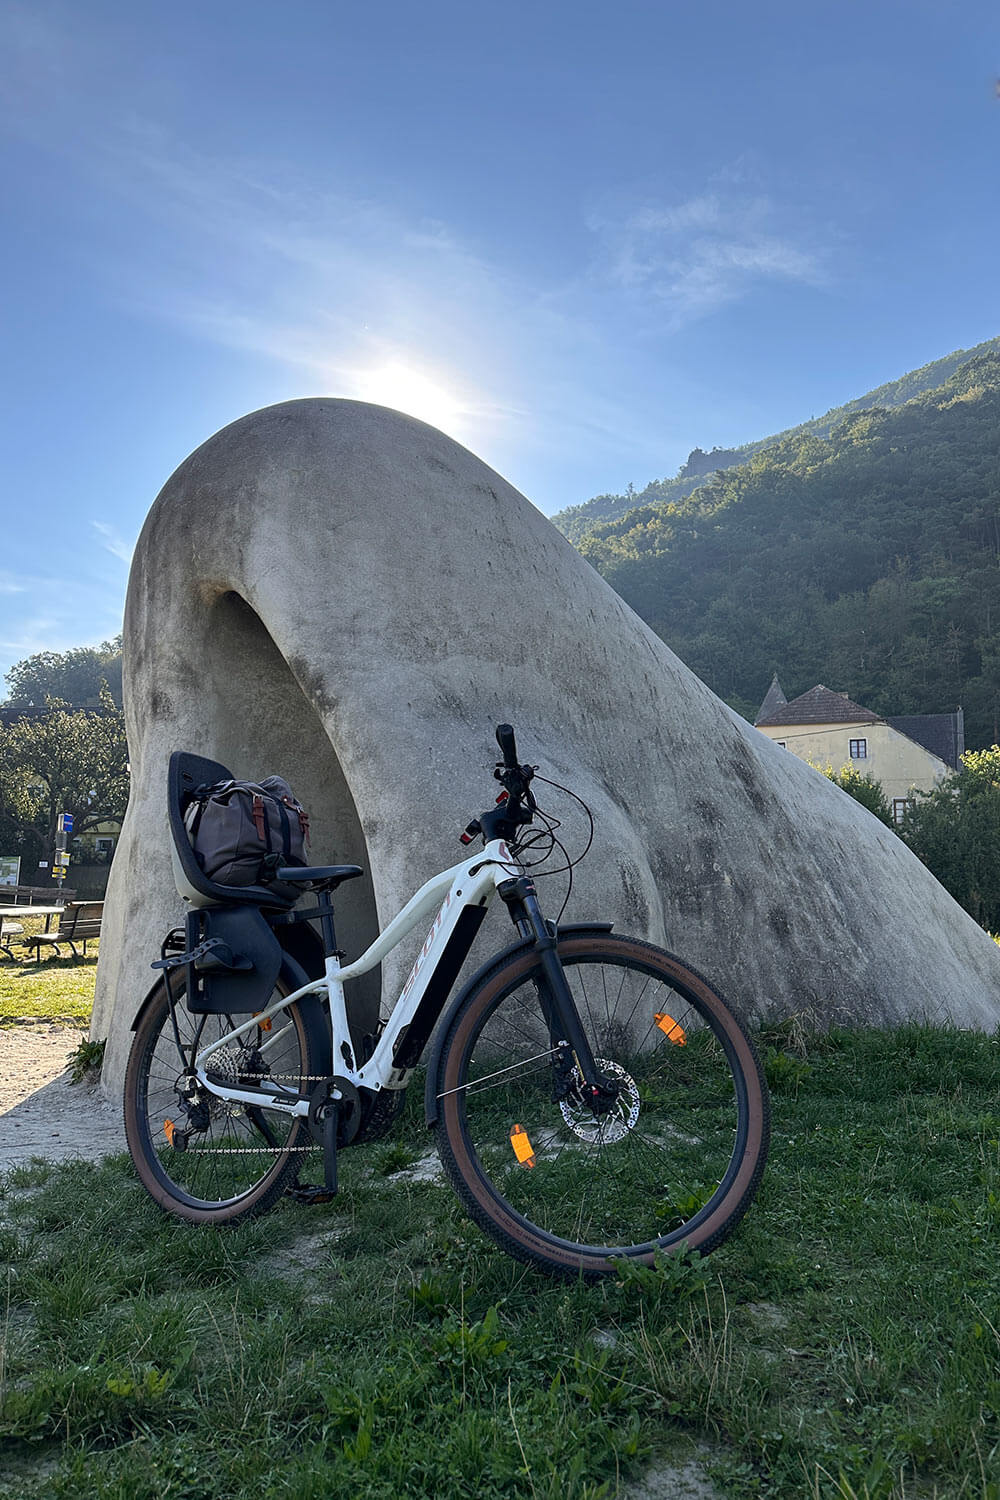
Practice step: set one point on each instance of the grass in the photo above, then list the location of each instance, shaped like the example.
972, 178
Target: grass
845, 1343
56, 989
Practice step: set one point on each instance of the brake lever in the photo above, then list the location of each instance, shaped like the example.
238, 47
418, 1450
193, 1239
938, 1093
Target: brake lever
514, 779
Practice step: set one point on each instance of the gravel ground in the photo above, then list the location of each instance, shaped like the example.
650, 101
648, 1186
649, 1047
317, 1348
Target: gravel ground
41, 1112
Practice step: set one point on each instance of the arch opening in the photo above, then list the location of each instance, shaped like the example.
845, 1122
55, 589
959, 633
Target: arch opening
264, 724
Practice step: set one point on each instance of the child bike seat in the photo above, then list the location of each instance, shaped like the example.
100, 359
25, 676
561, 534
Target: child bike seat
186, 774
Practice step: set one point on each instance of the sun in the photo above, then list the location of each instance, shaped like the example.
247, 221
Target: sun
409, 389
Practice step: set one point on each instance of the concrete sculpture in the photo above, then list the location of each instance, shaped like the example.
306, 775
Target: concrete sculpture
343, 595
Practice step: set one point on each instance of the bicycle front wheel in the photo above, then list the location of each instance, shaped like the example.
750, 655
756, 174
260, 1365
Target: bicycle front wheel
202, 1158
672, 1165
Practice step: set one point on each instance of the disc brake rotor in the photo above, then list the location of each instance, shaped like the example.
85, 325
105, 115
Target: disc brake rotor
605, 1129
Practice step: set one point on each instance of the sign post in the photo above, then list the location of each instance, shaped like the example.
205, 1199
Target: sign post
60, 860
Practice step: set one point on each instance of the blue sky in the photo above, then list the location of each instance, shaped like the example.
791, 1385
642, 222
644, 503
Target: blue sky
580, 238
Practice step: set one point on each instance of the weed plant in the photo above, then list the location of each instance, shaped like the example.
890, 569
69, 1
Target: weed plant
844, 1343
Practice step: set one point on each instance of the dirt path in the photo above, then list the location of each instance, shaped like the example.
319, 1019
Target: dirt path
41, 1112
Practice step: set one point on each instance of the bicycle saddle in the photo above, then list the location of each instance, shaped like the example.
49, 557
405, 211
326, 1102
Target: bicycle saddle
319, 877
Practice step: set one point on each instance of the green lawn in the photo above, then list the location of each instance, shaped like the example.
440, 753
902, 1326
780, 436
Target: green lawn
844, 1344
56, 989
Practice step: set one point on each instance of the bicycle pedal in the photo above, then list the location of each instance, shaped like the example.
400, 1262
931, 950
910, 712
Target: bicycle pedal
310, 1195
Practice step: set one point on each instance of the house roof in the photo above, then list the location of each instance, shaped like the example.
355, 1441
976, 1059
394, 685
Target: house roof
820, 705
942, 734
774, 698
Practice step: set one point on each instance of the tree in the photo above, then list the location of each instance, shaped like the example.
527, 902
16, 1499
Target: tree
73, 677
884, 521
15, 836
955, 831
67, 760
864, 789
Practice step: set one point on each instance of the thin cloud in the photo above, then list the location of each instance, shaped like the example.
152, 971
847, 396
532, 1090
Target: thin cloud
76, 610
32, 635
327, 284
693, 257
262, 256
330, 287
114, 543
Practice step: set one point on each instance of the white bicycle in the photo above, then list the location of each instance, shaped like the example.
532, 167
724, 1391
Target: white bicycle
592, 1096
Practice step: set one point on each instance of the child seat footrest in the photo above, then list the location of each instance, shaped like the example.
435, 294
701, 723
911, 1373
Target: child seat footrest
213, 955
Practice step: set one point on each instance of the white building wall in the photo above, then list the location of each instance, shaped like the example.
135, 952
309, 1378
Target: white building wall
900, 766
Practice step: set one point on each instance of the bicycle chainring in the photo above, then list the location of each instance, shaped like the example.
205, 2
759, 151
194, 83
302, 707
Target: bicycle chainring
348, 1108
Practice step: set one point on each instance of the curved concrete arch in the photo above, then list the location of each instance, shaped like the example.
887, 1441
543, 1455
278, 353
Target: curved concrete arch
341, 594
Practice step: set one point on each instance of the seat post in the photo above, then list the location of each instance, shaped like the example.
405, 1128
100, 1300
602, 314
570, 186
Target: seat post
327, 928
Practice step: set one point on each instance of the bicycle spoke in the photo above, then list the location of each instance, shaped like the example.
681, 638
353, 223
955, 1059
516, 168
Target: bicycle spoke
199, 1154
656, 1156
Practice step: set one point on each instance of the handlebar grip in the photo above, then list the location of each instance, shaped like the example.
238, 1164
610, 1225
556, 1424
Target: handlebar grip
508, 749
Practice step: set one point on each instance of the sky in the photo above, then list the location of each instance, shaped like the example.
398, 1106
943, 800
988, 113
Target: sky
580, 238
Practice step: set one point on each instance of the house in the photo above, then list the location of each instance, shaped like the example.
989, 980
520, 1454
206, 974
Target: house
98, 844
905, 754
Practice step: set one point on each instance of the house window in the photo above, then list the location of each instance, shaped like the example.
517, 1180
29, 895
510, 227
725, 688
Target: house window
104, 846
859, 749
782, 744
899, 806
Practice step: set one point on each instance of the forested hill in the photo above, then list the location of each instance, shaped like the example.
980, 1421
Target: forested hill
576, 520
867, 559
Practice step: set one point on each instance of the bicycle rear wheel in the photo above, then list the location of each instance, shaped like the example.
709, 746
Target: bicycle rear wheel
673, 1164
199, 1157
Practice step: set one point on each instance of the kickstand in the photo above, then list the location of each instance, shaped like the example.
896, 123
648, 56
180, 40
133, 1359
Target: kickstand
330, 1123
317, 1194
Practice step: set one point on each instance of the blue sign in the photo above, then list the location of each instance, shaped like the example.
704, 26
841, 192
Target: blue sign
65, 824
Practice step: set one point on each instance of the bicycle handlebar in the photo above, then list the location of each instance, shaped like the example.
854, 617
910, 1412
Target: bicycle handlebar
516, 805
508, 748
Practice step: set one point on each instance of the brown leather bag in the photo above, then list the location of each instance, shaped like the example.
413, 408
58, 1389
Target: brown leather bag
243, 831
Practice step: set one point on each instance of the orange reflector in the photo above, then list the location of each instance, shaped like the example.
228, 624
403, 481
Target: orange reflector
522, 1146
671, 1030
168, 1130
264, 1025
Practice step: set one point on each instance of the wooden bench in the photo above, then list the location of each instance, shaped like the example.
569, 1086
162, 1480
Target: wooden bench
33, 895
9, 930
80, 921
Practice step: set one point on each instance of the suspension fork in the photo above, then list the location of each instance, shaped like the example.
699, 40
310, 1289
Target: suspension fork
554, 993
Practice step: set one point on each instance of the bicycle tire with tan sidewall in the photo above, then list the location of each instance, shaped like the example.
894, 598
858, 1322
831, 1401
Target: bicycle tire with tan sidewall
243, 1181
693, 1100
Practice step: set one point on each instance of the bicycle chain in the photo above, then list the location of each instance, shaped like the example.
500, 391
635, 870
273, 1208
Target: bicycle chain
257, 1150
285, 1077
249, 1150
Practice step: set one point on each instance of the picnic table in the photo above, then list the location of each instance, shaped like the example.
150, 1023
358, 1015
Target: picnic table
15, 929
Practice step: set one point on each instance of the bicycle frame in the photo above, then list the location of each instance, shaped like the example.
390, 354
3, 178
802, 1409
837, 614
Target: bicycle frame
467, 890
